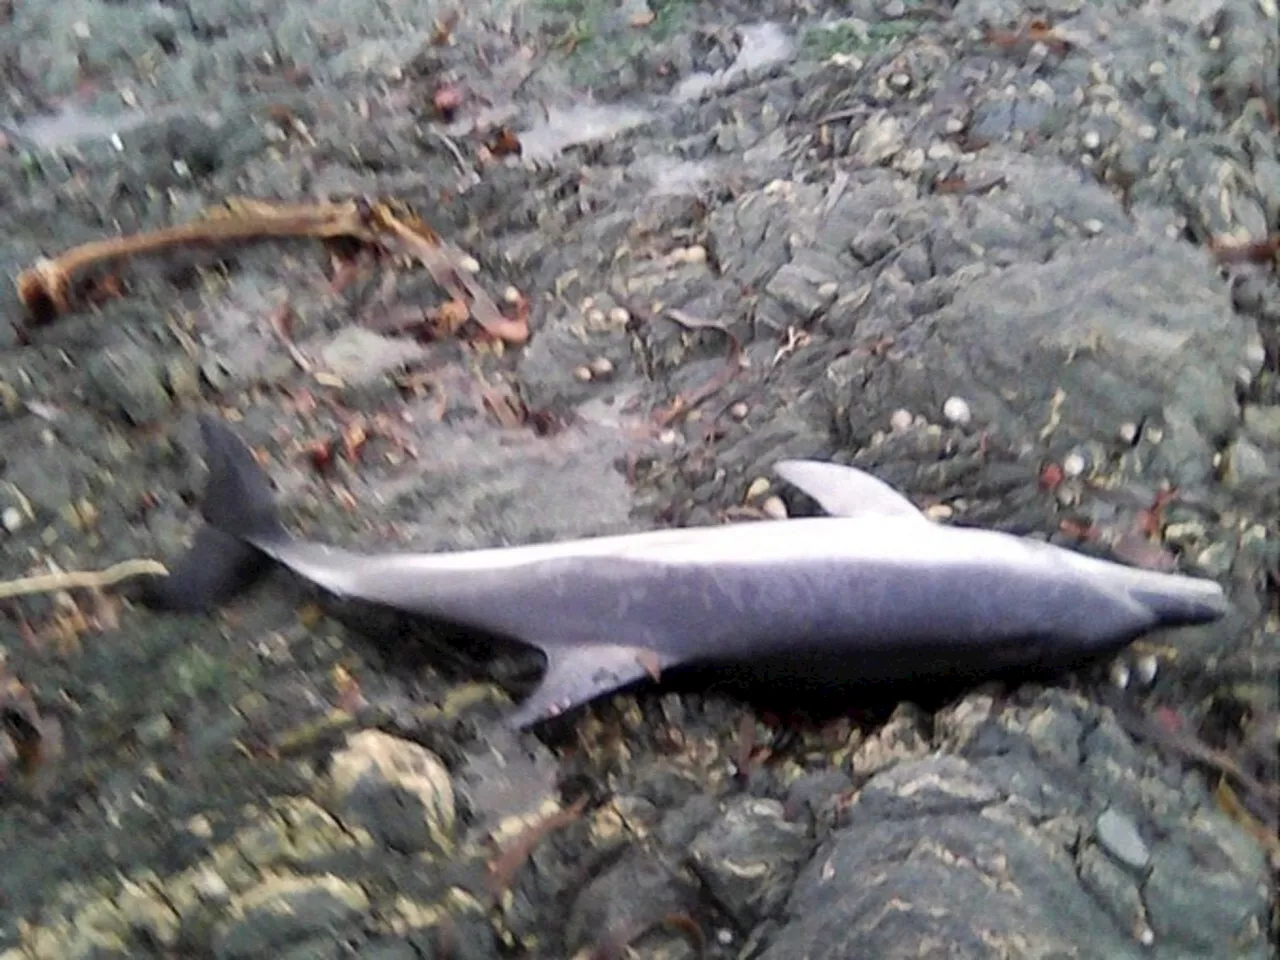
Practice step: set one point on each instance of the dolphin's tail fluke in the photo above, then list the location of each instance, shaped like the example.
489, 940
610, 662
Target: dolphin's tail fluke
241, 521
238, 496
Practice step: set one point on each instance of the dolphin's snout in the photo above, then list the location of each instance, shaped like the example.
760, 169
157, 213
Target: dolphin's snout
1183, 602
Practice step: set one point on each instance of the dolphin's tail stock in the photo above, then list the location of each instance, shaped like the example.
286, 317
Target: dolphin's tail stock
230, 551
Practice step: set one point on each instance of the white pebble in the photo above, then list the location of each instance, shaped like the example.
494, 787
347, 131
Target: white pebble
210, 887
774, 508
739, 411
1120, 674
619, 316
939, 511
901, 420
957, 411
1148, 664
12, 519
1073, 464
1128, 433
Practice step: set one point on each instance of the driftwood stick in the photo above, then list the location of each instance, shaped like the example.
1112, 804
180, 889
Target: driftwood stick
81, 579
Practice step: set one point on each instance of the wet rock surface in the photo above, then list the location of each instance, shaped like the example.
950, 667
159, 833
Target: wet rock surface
977, 254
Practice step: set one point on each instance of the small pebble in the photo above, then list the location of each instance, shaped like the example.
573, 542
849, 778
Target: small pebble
1120, 674
695, 254
1147, 665
619, 316
9, 399
957, 411
1128, 433
511, 295
582, 373
12, 519
469, 264
601, 367
199, 826
1091, 140
774, 508
1118, 835
901, 420
154, 731
210, 887
739, 411
759, 487
1073, 464
939, 511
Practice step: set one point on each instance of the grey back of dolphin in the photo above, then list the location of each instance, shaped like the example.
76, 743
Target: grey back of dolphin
875, 594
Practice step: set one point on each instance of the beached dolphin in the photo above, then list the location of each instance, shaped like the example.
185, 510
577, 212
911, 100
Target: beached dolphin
874, 593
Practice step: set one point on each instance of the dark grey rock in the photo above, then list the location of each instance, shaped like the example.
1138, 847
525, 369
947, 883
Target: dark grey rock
967, 882
804, 289
1244, 464
929, 787
746, 858
1196, 898
813, 792
286, 914
388, 949
1118, 890
1262, 425
635, 895
681, 825
128, 382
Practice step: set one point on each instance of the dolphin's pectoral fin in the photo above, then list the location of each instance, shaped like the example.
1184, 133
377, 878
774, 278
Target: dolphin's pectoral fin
846, 491
577, 674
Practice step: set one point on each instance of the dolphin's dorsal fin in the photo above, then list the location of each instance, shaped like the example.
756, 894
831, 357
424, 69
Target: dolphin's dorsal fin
846, 491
